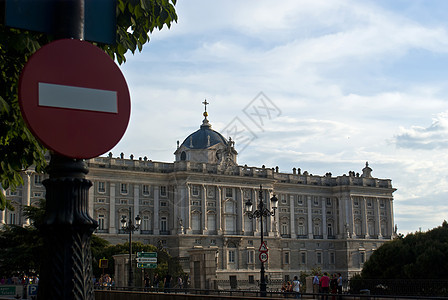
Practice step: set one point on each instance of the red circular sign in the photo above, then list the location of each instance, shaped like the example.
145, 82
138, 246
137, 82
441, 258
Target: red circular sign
263, 256
74, 98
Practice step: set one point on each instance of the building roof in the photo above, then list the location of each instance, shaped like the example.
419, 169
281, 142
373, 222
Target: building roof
204, 138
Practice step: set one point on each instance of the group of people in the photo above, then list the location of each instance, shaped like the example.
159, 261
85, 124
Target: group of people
16, 280
327, 284
166, 282
292, 287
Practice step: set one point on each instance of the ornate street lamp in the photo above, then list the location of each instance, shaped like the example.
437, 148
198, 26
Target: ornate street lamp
259, 213
130, 227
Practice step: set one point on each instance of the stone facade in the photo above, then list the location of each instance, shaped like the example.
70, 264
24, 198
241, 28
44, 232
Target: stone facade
198, 201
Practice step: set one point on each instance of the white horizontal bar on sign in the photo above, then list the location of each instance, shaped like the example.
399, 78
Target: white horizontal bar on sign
73, 97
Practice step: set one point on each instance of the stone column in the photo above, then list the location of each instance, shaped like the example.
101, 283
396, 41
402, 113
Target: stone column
188, 220
91, 199
219, 210
204, 208
2, 212
239, 210
292, 217
156, 210
364, 229
136, 204
377, 218
26, 196
350, 215
112, 212
341, 230
324, 218
310, 217
390, 217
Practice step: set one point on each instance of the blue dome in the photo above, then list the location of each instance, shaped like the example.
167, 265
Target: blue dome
204, 138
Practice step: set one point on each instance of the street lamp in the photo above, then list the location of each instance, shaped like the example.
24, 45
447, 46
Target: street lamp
259, 213
130, 227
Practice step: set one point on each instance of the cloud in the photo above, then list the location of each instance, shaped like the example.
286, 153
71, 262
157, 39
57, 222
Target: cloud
432, 137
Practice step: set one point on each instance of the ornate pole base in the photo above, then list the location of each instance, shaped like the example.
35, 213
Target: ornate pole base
67, 269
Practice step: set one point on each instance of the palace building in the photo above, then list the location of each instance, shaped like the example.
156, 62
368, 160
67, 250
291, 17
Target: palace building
198, 202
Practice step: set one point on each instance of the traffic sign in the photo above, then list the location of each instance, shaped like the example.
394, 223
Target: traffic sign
146, 254
74, 98
263, 247
147, 265
263, 256
147, 259
103, 263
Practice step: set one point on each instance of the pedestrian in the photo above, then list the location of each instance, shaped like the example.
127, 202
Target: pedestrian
167, 283
340, 285
334, 286
325, 286
284, 289
146, 282
316, 288
155, 281
180, 282
296, 287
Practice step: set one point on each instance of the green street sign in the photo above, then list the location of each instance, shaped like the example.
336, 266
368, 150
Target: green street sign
146, 254
7, 290
146, 265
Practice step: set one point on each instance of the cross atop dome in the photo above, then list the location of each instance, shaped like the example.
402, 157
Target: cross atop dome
205, 111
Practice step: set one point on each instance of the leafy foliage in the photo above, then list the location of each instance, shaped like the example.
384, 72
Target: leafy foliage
422, 255
19, 149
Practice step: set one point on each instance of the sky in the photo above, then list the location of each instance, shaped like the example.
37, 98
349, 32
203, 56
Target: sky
320, 85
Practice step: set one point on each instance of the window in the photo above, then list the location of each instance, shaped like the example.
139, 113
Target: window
285, 228
286, 258
332, 258
101, 219
356, 202
358, 228
371, 227
211, 222
362, 257
101, 187
196, 221
230, 223
316, 229
231, 256
250, 256
37, 179
316, 201
124, 201
163, 191
301, 228
183, 156
213, 242
124, 188
145, 223
328, 201
37, 194
197, 241
163, 224
319, 257
250, 242
100, 200
369, 204
12, 218
145, 189
382, 205
11, 193
163, 203
330, 229
283, 198
303, 258
196, 203
229, 192
300, 200
383, 229
195, 190
251, 279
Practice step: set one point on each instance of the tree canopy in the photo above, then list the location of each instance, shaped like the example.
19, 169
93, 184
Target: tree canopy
420, 255
19, 149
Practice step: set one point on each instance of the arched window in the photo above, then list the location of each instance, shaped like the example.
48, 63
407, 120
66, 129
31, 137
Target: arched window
183, 156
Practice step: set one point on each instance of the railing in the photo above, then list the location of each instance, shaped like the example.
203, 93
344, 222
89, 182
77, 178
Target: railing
271, 294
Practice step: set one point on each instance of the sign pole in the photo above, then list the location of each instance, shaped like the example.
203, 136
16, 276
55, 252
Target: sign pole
67, 270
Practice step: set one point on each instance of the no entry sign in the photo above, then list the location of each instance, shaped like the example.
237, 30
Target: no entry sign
74, 98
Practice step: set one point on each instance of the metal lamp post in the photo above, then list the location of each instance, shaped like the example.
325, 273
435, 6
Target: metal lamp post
259, 213
130, 227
